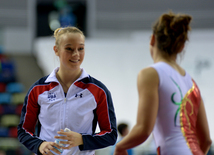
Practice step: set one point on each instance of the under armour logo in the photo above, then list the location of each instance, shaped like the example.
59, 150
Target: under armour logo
80, 95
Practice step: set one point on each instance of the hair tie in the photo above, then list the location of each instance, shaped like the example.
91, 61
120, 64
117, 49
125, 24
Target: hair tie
61, 29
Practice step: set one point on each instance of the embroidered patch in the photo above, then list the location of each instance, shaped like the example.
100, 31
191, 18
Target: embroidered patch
51, 96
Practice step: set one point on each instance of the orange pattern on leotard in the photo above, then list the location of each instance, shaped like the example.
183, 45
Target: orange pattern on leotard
188, 117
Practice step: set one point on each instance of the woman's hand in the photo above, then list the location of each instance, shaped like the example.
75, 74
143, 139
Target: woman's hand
46, 147
72, 139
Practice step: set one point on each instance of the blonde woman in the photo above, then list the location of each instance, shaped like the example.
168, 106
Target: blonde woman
68, 98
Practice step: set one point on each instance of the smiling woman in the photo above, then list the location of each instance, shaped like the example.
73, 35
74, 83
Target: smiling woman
70, 50
68, 98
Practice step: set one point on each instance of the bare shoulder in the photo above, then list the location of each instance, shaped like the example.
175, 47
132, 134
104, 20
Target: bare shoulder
148, 77
148, 73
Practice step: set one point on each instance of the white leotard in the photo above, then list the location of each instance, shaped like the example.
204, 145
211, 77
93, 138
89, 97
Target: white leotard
179, 100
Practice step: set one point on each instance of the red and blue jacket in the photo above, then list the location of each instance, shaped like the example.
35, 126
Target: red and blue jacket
87, 103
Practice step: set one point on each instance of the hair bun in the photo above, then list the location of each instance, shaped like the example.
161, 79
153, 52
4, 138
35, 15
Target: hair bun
171, 31
180, 23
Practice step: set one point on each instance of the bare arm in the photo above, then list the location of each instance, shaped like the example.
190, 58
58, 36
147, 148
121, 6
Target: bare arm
203, 129
147, 110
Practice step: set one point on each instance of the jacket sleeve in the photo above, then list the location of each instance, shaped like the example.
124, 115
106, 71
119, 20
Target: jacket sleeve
107, 123
28, 120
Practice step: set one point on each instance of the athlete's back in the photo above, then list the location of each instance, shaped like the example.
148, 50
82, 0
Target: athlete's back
179, 101
169, 101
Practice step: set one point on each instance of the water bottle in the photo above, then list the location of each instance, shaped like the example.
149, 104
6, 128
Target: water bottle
57, 142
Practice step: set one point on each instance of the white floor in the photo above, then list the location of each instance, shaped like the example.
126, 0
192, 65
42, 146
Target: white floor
115, 58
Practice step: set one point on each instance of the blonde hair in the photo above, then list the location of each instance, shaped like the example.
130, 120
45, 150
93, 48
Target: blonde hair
60, 31
171, 31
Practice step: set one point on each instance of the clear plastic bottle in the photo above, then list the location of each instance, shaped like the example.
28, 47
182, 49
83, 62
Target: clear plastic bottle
58, 140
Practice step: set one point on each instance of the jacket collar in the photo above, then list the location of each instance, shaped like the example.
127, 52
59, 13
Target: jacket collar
52, 76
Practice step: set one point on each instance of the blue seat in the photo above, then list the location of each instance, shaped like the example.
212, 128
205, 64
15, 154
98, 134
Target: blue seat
7, 71
7, 109
14, 87
4, 132
5, 98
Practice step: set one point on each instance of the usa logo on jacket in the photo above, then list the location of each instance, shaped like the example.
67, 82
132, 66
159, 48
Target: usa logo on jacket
51, 96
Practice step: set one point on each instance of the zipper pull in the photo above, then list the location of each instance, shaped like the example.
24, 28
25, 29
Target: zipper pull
65, 99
